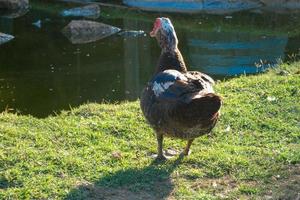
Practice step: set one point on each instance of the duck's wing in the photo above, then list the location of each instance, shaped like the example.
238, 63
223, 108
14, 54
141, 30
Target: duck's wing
172, 85
200, 76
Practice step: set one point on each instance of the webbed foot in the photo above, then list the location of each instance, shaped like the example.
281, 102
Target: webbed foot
186, 152
160, 158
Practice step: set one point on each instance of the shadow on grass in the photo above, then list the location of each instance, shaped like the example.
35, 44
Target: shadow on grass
288, 187
151, 182
4, 184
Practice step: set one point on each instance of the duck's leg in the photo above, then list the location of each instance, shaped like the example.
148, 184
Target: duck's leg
187, 147
160, 154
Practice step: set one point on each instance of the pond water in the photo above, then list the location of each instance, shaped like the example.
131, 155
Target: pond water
41, 72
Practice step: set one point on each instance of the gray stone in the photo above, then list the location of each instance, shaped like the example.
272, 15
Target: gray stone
83, 31
89, 11
5, 38
14, 4
11, 14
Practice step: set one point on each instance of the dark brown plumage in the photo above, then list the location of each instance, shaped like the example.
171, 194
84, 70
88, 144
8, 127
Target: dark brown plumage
176, 102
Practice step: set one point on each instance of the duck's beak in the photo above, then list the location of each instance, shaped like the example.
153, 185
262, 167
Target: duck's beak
156, 27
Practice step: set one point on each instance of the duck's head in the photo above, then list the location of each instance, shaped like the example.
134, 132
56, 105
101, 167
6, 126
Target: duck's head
165, 34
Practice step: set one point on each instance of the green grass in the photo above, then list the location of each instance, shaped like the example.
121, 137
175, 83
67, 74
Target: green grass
104, 150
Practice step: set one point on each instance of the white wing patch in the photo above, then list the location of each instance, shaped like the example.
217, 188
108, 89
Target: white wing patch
178, 75
159, 88
165, 79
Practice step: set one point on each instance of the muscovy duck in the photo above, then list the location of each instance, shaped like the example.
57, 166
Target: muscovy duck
176, 102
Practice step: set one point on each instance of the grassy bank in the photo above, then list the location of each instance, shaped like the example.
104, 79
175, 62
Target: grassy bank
104, 151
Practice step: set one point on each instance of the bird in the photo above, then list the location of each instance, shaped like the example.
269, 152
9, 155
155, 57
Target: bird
177, 103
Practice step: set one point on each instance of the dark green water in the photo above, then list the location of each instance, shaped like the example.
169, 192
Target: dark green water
41, 72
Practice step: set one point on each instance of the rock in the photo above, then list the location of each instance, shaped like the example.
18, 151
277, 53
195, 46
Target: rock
89, 11
11, 14
131, 33
5, 38
14, 4
83, 31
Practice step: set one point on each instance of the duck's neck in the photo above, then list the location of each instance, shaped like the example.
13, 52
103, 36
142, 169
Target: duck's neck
171, 59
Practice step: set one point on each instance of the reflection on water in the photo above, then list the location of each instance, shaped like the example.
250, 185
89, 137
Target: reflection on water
234, 53
42, 72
